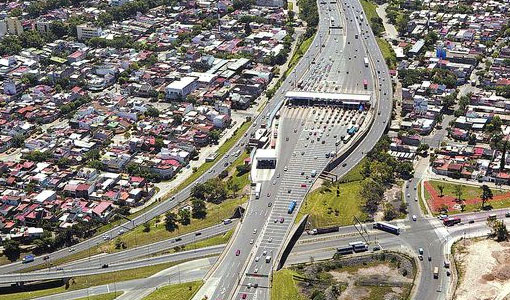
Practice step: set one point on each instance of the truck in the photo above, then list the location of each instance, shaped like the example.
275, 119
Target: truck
257, 190
324, 230
352, 130
313, 173
366, 61
28, 258
292, 205
346, 138
268, 259
436, 272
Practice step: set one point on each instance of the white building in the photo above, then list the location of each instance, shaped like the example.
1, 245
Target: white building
181, 88
87, 31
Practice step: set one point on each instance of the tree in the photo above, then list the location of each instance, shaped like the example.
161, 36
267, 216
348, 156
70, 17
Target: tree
214, 136
498, 230
247, 28
372, 191
441, 190
233, 186
11, 250
171, 221
59, 29
243, 169
152, 112
146, 227
18, 141
389, 213
184, 217
198, 209
486, 194
457, 189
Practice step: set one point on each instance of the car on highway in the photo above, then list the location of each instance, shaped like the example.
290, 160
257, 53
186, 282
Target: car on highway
507, 214
71, 249
238, 252
420, 251
270, 240
414, 217
269, 194
251, 241
104, 266
254, 230
269, 204
282, 220
244, 295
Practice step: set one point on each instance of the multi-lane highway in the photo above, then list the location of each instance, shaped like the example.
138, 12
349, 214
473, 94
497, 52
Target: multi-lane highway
335, 64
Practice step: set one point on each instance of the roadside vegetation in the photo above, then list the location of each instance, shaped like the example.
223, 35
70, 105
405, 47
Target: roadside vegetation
183, 291
108, 296
30, 291
361, 192
347, 278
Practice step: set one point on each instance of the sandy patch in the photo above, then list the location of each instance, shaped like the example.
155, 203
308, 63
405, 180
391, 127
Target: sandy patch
485, 269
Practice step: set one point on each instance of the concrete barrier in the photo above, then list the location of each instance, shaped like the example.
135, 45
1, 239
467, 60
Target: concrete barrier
292, 238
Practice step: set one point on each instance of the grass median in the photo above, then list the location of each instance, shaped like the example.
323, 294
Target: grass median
31, 291
108, 296
284, 286
183, 291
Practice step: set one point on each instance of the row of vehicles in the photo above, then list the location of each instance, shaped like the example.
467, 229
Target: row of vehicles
354, 247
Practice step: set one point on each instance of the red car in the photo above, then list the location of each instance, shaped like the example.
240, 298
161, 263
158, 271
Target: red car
281, 220
303, 185
243, 296
238, 252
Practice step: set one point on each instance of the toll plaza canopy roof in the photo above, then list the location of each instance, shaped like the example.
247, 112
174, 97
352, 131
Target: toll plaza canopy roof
333, 97
265, 154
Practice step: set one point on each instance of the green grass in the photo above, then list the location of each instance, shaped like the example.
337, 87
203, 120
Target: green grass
300, 51
109, 296
322, 203
389, 55
45, 289
215, 214
370, 9
468, 191
355, 173
421, 201
212, 241
290, 6
284, 286
183, 291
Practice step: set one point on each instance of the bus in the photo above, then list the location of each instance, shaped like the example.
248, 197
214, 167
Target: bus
292, 205
344, 250
365, 84
366, 61
359, 246
257, 190
346, 138
450, 221
492, 217
387, 227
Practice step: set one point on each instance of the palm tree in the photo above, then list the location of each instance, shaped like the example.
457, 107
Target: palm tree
441, 190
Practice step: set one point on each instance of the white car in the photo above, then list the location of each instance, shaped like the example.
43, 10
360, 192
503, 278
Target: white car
256, 270
414, 217
251, 241
254, 230
257, 258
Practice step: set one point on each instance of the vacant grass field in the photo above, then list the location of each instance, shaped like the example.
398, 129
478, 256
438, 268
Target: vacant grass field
284, 286
468, 191
183, 291
327, 209
45, 289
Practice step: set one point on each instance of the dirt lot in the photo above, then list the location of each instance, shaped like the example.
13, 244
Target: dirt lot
484, 268
381, 273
